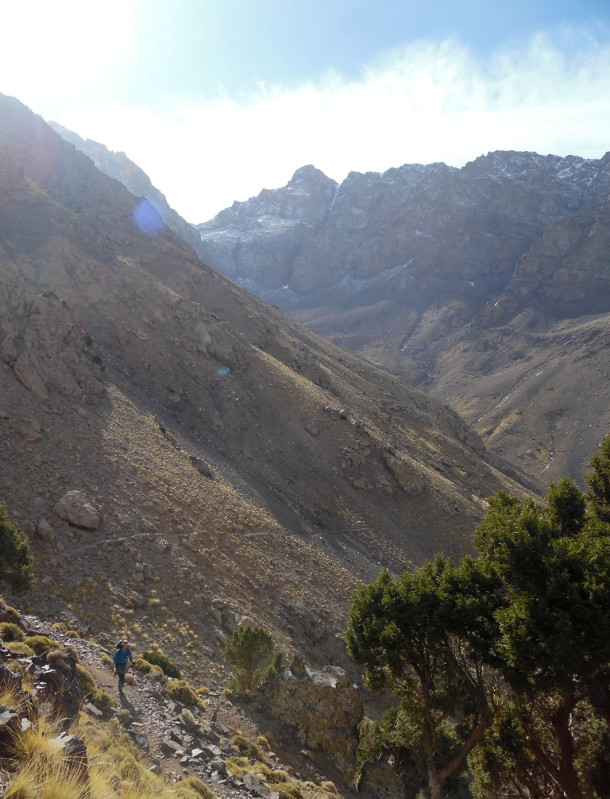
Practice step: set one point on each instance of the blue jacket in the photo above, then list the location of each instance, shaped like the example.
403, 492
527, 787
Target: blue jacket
122, 655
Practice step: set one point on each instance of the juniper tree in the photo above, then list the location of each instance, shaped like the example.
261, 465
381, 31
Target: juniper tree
414, 635
15, 558
551, 647
251, 651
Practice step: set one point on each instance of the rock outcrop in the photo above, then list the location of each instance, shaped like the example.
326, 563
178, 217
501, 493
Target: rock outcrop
322, 707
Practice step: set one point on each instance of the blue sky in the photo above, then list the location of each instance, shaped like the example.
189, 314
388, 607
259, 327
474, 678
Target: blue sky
217, 99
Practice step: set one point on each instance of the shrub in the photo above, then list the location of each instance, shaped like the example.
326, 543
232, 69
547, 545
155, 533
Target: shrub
21, 648
86, 679
107, 660
157, 659
251, 652
8, 613
141, 665
182, 691
247, 748
11, 632
40, 644
15, 558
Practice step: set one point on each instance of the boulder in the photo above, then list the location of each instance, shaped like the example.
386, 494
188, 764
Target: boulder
75, 508
74, 751
45, 531
10, 729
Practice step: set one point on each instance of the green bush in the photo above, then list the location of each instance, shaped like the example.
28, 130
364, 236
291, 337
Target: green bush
142, 665
251, 652
15, 558
157, 659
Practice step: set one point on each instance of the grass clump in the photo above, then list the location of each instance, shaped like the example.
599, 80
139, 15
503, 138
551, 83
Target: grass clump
247, 748
21, 648
142, 665
182, 691
158, 659
9, 631
40, 644
8, 613
195, 787
107, 660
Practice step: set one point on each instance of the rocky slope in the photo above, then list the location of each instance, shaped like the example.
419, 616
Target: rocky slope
205, 736
486, 284
227, 462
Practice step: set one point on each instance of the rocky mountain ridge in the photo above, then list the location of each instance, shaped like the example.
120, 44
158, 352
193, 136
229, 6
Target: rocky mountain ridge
231, 463
451, 276
486, 285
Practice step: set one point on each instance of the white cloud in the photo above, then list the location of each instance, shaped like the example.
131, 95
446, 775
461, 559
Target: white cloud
55, 53
427, 102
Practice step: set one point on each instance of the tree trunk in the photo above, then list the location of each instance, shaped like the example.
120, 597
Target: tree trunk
434, 785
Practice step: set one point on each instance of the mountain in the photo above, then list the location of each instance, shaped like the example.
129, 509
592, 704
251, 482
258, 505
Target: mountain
183, 455
487, 285
121, 168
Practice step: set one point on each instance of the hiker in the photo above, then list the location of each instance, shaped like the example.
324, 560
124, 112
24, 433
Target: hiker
121, 656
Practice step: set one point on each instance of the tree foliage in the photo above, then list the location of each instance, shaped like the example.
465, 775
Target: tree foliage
504, 658
414, 634
15, 558
251, 651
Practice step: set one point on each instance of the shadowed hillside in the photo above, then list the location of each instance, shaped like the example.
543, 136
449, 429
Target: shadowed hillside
230, 463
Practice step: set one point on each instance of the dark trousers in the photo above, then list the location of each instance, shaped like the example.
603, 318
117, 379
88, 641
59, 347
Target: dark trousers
121, 670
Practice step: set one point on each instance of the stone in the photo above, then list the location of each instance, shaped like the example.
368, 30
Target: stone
252, 784
10, 729
171, 748
30, 431
45, 531
74, 751
219, 766
94, 711
323, 707
75, 508
140, 739
162, 545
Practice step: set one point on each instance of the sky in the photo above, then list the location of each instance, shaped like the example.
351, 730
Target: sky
218, 99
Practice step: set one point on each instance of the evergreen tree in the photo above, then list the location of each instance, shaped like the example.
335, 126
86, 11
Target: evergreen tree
251, 651
15, 558
413, 635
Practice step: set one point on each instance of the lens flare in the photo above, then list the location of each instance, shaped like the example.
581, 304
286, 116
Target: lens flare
148, 218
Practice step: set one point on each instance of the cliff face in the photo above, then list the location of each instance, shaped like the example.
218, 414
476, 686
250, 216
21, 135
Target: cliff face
452, 277
236, 464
